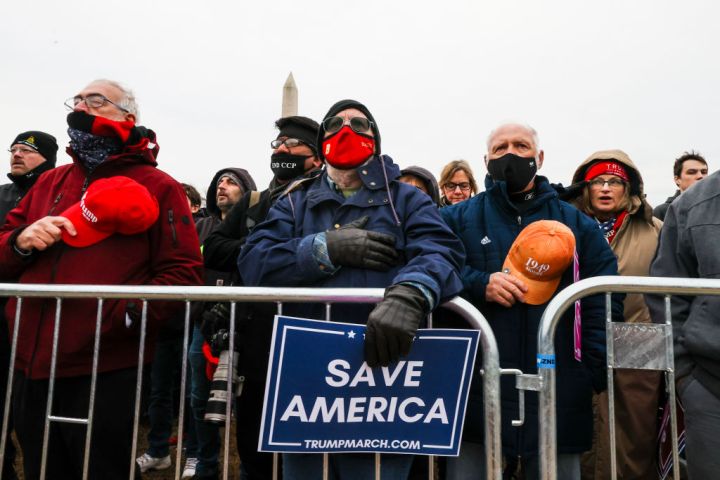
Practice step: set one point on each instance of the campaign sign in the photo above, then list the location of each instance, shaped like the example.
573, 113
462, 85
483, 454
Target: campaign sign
322, 397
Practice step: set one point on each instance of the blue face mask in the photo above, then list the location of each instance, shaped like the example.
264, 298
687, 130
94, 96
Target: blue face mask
514, 170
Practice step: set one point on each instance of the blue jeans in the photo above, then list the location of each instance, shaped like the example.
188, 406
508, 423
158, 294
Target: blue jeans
207, 434
471, 464
351, 466
160, 409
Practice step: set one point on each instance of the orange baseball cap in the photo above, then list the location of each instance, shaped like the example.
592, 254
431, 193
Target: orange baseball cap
539, 256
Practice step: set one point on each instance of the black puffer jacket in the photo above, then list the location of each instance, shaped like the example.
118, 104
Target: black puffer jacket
221, 251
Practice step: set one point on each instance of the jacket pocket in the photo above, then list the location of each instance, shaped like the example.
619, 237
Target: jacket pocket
173, 232
704, 239
700, 334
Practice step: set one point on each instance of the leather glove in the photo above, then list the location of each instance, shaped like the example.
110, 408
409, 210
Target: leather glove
392, 325
352, 246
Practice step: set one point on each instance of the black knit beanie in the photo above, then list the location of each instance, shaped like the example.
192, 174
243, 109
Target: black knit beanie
344, 105
44, 143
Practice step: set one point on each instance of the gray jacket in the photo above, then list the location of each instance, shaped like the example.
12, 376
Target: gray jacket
689, 248
661, 210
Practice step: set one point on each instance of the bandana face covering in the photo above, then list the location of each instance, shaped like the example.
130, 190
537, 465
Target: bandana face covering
94, 139
92, 150
347, 149
287, 166
516, 171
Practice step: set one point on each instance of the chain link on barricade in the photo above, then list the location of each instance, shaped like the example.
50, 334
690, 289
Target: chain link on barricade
658, 339
489, 352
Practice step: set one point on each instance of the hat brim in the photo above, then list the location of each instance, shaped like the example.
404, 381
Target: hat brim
539, 291
86, 234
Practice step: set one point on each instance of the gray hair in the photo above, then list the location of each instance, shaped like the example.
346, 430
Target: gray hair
127, 101
528, 128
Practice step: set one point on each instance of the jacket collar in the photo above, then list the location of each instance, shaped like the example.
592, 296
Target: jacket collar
498, 190
372, 175
24, 182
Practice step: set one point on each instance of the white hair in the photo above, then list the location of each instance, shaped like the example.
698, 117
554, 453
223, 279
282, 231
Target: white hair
127, 101
528, 128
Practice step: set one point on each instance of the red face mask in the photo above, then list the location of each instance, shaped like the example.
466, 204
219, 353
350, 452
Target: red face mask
347, 149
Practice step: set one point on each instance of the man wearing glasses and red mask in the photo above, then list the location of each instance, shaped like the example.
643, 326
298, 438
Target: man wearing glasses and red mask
357, 225
40, 244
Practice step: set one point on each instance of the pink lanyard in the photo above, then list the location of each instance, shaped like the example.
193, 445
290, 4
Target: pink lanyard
577, 327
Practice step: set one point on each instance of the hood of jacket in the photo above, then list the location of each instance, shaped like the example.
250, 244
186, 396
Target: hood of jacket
639, 205
248, 184
427, 178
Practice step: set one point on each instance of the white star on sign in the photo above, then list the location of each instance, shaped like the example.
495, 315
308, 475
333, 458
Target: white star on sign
351, 334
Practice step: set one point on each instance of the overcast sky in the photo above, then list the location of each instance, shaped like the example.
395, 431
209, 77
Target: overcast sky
641, 76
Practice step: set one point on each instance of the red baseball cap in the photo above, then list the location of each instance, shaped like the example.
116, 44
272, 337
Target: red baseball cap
111, 205
539, 256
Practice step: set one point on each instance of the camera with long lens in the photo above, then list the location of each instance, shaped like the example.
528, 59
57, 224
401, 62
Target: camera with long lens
215, 328
217, 402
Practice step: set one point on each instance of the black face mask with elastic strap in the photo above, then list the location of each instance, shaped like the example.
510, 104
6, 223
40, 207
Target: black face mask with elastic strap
514, 170
287, 166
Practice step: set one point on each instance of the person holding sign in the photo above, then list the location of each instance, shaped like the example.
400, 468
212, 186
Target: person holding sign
356, 225
523, 245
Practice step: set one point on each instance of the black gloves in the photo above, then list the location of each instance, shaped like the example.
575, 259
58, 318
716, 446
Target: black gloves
352, 246
215, 328
393, 323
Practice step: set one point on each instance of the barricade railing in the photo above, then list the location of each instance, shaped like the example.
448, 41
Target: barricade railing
656, 354
490, 356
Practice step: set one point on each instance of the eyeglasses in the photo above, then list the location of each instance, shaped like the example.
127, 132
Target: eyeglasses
358, 124
450, 186
21, 150
612, 183
288, 142
94, 100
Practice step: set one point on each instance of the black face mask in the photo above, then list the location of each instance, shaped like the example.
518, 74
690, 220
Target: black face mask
516, 171
287, 166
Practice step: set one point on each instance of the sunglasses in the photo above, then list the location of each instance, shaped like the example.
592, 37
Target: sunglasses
357, 124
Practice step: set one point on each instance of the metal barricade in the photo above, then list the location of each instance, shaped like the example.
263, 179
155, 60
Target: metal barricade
490, 355
656, 338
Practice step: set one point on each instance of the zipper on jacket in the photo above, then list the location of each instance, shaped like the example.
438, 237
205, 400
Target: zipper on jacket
85, 185
171, 221
519, 220
54, 205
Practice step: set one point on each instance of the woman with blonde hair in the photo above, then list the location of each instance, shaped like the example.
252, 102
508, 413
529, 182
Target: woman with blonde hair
457, 183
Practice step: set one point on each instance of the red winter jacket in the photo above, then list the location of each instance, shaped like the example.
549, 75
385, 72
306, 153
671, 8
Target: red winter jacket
168, 253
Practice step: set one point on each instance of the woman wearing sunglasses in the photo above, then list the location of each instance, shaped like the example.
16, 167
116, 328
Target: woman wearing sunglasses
457, 182
357, 225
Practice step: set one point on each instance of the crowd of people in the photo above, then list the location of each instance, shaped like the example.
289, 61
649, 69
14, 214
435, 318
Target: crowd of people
341, 213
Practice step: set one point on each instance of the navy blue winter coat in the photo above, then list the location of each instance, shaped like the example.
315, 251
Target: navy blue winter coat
488, 224
279, 251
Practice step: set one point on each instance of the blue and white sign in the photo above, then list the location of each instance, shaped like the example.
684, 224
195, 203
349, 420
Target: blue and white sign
322, 397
